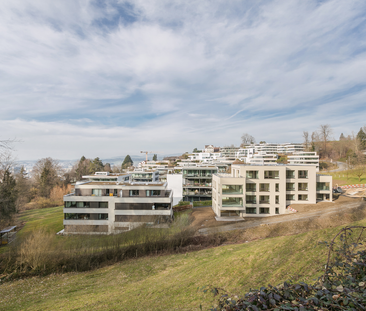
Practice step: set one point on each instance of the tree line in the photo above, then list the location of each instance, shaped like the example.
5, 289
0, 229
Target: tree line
47, 183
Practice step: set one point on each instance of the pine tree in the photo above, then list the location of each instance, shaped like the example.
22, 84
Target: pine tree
155, 157
8, 195
127, 162
361, 136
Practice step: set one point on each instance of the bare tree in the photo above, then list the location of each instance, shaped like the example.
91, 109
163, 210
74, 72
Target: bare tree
247, 139
325, 131
305, 135
314, 141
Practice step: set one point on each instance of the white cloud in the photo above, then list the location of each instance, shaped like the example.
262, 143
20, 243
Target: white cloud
183, 74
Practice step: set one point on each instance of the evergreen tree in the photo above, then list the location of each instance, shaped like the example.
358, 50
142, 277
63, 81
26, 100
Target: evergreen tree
361, 136
127, 162
155, 157
342, 137
82, 168
8, 195
47, 174
96, 166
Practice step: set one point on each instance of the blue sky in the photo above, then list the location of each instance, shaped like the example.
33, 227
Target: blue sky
107, 78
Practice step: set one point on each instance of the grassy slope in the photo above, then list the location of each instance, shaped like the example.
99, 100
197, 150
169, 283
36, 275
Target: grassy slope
340, 178
170, 282
50, 219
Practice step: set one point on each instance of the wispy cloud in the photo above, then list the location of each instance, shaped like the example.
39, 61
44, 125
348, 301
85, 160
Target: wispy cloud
112, 77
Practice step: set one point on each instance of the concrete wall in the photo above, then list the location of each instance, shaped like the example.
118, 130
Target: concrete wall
175, 183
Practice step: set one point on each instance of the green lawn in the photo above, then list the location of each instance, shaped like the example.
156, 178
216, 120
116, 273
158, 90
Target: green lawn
170, 282
341, 178
50, 219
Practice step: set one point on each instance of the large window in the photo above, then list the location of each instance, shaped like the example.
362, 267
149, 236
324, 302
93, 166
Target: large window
232, 189
264, 187
97, 192
232, 202
277, 187
290, 174
303, 197
150, 193
303, 186
76, 216
322, 186
303, 174
271, 174
77, 204
290, 197
252, 174
251, 187
251, 199
111, 192
134, 193
103, 204
264, 210
290, 186
103, 216
251, 210
277, 199
264, 199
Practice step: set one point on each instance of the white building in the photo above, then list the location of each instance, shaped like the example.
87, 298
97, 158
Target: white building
105, 207
266, 190
304, 158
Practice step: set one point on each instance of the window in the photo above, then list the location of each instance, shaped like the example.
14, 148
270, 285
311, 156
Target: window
303, 186
271, 174
290, 174
322, 186
277, 210
264, 210
250, 210
70, 204
103, 216
251, 199
264, 199
319, 196
277, 199
290, 197
111, 192
150, 193
76, 216
303, 174
290, 186
303, 197
232, 202
251, 187
103, 204
134, 193
252, 174
264, 187
232, 189
97, 192
277, 187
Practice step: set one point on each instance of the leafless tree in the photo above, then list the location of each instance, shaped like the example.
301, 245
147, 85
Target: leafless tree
305, 135
325, 131
247, 139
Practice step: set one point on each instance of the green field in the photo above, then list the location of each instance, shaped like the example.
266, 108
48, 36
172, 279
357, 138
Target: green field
341, 178
170, 282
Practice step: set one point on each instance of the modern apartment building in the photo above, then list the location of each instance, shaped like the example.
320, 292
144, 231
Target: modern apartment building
197, 182
304, 158
267, 190
106, 207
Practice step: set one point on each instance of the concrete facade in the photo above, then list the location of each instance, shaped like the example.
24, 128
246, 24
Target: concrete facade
267, 190
114, 207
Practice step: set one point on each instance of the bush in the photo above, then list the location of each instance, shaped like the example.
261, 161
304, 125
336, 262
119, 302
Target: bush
341, 287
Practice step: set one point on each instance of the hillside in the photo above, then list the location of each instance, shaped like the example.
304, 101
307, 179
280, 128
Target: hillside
170, 282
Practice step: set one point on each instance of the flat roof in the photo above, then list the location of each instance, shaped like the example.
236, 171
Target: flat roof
7, 229
120, 183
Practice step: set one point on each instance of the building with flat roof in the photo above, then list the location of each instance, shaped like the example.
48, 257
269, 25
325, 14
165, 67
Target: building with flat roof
304, 158
106, 207
267, 190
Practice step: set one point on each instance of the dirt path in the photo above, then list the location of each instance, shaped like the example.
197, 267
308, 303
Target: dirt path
323, 209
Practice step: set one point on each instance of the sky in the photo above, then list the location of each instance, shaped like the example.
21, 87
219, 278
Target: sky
110, 78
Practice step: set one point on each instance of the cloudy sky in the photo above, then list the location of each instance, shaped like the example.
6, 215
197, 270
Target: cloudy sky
107, 78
